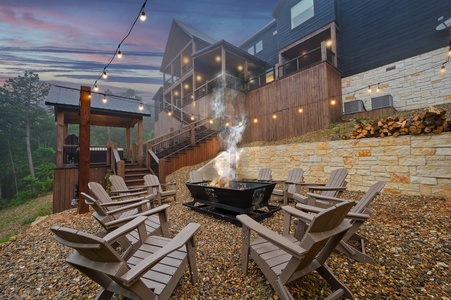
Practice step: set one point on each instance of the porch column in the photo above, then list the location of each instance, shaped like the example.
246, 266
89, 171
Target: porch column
85, 135
60, 138
140, 142
127, 143
333, 37
223, 61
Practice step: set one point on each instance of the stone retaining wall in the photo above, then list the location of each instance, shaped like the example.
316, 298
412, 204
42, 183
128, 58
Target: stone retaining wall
413, 165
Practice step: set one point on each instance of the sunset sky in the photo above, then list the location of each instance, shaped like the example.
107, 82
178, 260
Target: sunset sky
69, 42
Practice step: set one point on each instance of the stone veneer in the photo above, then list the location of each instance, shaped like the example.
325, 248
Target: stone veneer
413, 165
415, 82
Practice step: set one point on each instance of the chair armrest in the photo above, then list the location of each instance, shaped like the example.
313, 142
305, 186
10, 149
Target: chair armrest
308, 208
327, 198
122, 221
127, 207
326, 188
302, 215
312, 184
178, 241
129, 193
124, 229
357, 216
272, 237
128, 200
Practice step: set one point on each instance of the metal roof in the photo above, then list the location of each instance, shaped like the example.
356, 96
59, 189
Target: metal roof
67, 97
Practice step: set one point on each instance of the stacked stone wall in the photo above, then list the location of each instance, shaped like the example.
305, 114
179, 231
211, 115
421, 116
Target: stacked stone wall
413, 165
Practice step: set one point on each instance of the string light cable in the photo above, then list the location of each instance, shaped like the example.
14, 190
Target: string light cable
141, 15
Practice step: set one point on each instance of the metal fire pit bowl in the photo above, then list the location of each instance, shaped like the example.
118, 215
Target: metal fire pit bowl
242, 197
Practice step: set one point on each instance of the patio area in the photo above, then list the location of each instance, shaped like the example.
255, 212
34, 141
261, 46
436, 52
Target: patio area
410, 242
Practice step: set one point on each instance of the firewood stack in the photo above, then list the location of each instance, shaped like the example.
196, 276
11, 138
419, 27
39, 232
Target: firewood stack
433, 120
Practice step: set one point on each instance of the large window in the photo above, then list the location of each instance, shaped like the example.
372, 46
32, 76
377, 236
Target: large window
301, 12
259, 47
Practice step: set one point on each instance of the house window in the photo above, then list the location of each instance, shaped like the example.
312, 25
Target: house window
251, 50
259, 47
274, 32
301, 12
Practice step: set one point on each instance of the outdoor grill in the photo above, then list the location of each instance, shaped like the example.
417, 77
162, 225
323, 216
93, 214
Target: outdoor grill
239, 197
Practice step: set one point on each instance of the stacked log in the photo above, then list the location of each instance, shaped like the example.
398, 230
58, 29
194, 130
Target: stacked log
431, 121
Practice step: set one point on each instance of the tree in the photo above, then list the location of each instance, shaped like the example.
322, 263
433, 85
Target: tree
25, 95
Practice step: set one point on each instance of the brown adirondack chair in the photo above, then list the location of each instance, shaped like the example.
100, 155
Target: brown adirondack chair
163, 191
284, 259
334, 186
357, 216
119, 187
264, 174
149, 269
291, 185
195, 177
112, 214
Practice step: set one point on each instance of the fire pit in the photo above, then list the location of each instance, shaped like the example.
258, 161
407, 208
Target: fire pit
236, 197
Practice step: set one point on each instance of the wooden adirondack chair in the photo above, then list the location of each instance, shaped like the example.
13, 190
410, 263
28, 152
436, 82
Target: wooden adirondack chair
357, 216
291, 185
149, 269
334, 186
195, 177
112, 214
119, 187
264, 174
169, 190
284, 259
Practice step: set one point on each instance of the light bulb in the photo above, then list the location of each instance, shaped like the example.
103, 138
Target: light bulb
143, 16
369, 89
329, 43
211, 121
169, 113
443, 69
96, 88
333, 102
227, 124
141, 107
104, 100
119, 54
104, 75
192, 118
255, 120
378, 89
274, 116
300, 110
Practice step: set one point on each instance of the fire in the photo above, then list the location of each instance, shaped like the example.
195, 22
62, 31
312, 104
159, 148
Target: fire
220, 183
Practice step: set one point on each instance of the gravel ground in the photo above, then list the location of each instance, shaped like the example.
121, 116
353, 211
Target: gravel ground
410, 239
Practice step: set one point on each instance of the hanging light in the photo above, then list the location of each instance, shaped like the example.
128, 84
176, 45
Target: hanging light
104, 75
369, 89
119, 54
141, 107
443, 69
96, 87
143, 16
255, 120
378, 88
300, 110
104, 99
333, 101
192, 118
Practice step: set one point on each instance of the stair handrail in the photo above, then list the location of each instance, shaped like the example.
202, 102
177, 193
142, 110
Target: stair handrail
117, 164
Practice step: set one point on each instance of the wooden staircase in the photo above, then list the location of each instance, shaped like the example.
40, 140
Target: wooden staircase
134, 174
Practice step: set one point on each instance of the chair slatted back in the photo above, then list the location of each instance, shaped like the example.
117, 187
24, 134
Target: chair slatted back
264, 174
337, 178
153, 180
117, 183
369, 196
294, 176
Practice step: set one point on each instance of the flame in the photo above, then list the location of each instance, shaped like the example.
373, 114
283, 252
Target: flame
220, 183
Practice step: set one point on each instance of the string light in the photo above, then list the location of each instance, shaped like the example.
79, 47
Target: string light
378, 88
192, 118
443, 69
141, 107
369, 89
255, 120
104, 99
169, 113
141, 15
300, 110
211, 121
96, 88
227, 124
274, 116
333, 101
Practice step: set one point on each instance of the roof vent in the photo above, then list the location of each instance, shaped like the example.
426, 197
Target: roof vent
382, 101
354, 107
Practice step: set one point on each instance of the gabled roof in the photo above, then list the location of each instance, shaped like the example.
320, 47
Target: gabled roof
179, 36
70, 98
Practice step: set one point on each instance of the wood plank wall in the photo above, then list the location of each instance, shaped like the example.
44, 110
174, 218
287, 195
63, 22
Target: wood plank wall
206, 150
64, 185
312, 89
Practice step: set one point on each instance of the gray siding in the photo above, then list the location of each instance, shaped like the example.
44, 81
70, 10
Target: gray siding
269, 52
324, 14
375, 33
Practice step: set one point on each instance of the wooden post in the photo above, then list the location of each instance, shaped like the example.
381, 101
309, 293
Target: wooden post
60, 139
140, 142
127, 143
85, 135
323, 51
